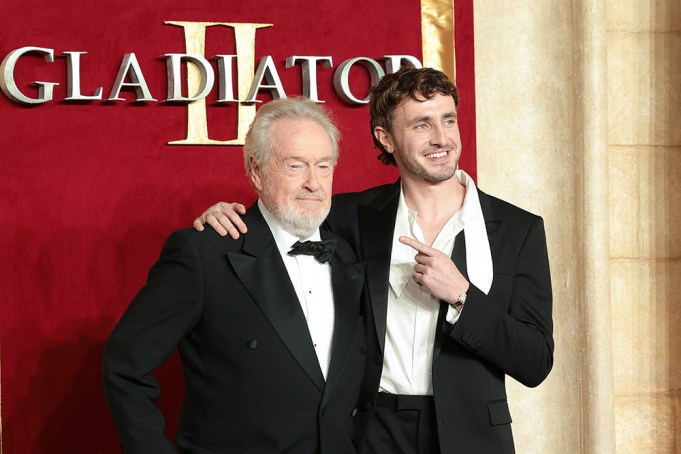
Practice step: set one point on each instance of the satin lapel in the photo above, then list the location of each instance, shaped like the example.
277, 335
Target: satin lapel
459, 259
377, 226
492, 223
347, 281
459, 254
262, 272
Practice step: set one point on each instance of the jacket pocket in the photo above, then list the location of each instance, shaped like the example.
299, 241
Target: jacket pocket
499, 413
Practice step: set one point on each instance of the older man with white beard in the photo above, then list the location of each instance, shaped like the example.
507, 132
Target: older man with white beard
269, 327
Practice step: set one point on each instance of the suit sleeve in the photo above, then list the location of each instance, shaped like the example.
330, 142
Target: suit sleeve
154, 323
519, 341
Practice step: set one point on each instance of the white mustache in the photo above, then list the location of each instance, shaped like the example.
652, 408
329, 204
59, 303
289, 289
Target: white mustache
310, 195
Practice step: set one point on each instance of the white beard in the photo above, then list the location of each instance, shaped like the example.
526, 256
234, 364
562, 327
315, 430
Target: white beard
294, 221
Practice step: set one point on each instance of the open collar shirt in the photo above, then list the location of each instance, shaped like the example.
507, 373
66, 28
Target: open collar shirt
412, 311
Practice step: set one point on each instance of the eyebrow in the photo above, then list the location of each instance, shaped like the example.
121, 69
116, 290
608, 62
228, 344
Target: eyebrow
429, 118
302, 159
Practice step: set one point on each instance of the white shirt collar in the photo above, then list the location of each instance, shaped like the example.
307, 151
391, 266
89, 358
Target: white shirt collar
478, 252
402, 256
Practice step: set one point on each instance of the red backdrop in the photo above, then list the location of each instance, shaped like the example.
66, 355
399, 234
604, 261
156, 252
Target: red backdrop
91, 189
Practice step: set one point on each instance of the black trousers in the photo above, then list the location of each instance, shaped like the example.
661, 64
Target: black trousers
402, 425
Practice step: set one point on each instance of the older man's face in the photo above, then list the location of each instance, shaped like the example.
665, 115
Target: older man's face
295, 184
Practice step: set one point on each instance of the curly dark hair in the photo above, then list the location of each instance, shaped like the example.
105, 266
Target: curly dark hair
392, 89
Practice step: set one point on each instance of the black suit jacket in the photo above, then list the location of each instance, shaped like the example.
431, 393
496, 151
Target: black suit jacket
506, 332
252, 378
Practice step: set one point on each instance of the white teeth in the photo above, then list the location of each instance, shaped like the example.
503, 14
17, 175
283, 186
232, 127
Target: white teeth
442, 154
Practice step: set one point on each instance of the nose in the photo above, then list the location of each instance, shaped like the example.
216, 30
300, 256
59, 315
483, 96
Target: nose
438, 135
312, 179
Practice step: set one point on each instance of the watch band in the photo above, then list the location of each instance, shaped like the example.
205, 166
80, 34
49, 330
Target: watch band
460, 301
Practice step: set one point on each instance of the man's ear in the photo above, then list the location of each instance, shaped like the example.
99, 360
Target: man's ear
385, 138
256, 178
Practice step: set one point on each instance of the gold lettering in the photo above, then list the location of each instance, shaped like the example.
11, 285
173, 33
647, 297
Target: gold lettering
195, 42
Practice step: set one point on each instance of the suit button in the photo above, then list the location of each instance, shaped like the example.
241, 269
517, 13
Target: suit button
368, 406
252, 344
354, 412
363, 349
378, 360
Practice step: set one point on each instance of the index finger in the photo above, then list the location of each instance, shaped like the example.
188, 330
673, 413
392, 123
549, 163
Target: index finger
420, 247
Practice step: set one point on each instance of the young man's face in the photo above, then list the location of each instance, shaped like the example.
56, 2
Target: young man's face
425, 138
295, 184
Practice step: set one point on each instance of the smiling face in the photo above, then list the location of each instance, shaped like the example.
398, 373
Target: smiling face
424, 140
295, 182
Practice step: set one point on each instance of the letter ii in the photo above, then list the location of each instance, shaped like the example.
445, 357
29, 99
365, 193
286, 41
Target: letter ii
195, 42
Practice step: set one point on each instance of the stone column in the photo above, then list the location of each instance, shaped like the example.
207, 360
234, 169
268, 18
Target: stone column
644, 98
542, 144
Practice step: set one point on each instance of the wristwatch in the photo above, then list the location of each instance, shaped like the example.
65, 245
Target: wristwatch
460, 301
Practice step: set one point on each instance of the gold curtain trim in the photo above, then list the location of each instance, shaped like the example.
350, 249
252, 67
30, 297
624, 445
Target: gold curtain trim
437, 36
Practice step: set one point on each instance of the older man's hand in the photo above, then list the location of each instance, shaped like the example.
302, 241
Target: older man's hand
224, 217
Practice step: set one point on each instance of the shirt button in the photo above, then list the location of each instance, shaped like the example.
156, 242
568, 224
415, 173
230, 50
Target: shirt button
252, 344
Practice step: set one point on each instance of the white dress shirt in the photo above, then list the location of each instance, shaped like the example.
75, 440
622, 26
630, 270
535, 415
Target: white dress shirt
412, 311
312, 283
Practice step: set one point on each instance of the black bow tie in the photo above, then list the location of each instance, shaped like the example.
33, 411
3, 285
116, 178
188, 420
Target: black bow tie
321, 250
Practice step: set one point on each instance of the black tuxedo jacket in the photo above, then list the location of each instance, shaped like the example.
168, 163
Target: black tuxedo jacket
252, 379
506, 332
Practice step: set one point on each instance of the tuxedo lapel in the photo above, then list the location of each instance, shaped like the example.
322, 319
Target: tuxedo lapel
347, 282
377, 226
262, 272
492, 222
459, 259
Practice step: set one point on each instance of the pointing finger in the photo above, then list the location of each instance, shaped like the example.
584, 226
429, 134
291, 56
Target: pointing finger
417, 245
